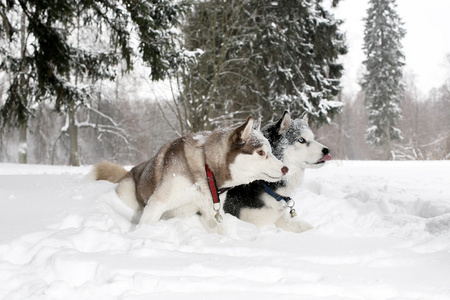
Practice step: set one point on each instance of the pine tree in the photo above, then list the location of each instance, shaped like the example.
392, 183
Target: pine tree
294, 46
382, 81
53, 65
266, 56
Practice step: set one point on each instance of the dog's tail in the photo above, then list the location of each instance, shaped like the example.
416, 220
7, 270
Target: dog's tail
106, 170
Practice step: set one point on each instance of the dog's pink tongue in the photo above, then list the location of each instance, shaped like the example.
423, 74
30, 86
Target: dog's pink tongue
325, 158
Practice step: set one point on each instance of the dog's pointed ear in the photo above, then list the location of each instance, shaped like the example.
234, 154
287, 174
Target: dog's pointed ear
245, 130
257, 124
304, 117
284, 123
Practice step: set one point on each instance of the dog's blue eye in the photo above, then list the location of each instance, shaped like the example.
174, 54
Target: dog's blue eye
301, 140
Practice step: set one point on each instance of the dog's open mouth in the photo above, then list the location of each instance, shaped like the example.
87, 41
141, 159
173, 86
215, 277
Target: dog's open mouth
324, 159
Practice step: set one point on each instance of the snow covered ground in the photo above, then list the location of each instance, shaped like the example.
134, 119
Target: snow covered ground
382, 231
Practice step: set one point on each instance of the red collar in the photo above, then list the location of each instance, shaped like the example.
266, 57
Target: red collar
215, 192
212, 184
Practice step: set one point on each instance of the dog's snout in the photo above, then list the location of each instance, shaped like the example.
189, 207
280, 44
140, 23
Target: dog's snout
284, 170
325, 151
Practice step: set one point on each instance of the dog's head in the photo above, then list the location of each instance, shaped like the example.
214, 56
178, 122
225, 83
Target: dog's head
250, 156
293, 142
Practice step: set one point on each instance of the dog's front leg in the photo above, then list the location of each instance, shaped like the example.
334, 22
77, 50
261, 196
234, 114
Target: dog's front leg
208, 219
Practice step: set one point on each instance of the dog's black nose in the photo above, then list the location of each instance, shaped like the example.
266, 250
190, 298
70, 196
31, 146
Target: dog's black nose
284, 170
325, 151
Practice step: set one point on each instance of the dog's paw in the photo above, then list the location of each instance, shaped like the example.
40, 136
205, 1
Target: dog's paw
294, 225
304, 226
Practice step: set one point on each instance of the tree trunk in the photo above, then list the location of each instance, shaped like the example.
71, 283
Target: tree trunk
23, 143
389, 142
23, 152
73, 137
73, 127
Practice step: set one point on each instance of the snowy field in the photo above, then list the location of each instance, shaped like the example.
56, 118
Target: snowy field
382, 231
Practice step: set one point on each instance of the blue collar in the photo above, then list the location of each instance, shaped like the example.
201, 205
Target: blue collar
278, 197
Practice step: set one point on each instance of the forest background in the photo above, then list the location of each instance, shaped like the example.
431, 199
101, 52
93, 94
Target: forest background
128, 116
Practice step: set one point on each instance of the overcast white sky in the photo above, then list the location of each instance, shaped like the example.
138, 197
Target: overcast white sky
426, 44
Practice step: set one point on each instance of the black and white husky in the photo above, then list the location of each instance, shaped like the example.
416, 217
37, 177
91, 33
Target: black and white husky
264, 203
186, 174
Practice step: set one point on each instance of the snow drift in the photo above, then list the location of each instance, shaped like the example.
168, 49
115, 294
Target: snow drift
382, 231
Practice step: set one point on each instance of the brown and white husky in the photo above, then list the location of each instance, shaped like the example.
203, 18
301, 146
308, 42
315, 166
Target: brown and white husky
175, 182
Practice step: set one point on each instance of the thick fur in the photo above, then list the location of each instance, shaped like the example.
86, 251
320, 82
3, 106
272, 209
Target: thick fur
173, 182
293, 143
109, 171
